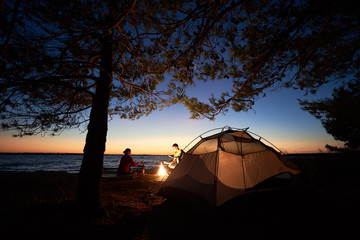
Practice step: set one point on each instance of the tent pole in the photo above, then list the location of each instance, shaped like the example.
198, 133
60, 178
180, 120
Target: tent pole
216, 176
213, 207
242, 159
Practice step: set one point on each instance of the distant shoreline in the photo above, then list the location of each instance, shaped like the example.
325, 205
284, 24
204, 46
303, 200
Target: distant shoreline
39, 153
29, 153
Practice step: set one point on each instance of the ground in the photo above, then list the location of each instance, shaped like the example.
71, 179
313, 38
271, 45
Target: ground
318, 204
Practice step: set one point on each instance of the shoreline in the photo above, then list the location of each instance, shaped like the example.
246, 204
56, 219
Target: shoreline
40, 153
145, 154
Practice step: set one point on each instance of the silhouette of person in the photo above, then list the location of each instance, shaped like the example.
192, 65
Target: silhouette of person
126, 162
176, 157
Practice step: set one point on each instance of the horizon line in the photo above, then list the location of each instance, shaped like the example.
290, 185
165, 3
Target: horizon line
69, 153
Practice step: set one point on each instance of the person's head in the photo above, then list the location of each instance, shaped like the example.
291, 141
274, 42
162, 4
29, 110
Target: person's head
175, 146
127, 151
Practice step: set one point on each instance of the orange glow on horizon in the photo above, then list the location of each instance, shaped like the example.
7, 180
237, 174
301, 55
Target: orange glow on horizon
155, 145
38, 144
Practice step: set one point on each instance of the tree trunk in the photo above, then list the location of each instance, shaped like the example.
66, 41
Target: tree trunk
92, 164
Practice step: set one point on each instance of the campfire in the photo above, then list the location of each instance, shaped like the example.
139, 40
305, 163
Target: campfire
162, 173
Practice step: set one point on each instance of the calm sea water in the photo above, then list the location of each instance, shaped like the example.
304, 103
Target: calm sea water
67, 162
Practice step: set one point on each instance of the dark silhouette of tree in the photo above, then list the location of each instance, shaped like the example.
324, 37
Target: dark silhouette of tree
69, 63
340, 115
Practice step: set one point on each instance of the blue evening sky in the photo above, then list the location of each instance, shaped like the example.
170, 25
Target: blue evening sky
276, 117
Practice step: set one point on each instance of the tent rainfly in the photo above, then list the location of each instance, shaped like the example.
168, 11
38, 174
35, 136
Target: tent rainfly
222, 166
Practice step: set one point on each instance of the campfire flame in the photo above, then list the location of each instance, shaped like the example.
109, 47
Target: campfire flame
162, 172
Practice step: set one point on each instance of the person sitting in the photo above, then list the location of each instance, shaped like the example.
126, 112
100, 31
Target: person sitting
176, 157
126, 162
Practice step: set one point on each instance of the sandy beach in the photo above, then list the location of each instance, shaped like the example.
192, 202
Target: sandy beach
42, 205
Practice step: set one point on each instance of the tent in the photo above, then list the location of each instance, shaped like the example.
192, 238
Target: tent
224, 165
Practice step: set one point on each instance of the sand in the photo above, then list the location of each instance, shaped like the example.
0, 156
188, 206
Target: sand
42, 205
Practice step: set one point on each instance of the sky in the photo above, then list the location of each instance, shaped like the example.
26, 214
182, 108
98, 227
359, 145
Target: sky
277, 117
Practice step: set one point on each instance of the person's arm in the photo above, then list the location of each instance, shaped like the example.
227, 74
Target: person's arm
136, 164
132, 163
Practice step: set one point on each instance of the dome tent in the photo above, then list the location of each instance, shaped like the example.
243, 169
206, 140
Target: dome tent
222, 166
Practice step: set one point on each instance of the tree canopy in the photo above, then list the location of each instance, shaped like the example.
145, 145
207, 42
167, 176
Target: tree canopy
259, 45
340, 115
51, 62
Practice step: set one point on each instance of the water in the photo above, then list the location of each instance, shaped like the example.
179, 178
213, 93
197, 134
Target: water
67, 162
